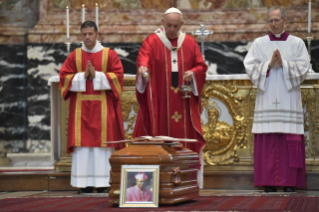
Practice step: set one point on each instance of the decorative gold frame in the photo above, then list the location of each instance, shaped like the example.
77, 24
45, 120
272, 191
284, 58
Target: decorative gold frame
131, 170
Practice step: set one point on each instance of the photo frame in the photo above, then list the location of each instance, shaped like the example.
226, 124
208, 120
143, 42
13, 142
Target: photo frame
139, 186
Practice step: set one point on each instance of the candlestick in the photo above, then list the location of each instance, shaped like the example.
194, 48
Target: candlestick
67, 23
309, 18
97, 15
83, 13
310, 70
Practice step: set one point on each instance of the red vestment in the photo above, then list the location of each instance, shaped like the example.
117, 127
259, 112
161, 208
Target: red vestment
94, 116
163, 111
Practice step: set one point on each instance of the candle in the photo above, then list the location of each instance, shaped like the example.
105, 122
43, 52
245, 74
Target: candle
67, 23
309, 17
83, 13
97, 15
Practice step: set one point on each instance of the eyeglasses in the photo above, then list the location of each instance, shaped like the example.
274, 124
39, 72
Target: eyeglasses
275, 20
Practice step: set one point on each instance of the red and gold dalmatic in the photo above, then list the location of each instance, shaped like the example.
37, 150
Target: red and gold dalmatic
163, 111
94, 116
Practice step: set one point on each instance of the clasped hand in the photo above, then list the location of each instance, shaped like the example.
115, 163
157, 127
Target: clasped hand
276, 59
90, 70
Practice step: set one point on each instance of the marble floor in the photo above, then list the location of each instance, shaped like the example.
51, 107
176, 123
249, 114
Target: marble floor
203, 192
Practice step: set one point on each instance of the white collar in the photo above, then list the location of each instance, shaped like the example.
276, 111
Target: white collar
162, 36
98, 47
278, 35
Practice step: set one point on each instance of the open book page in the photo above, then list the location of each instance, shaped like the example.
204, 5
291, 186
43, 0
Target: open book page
155, 138
167, 138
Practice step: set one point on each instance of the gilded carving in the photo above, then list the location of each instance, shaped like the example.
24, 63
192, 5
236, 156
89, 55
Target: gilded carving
308, 97
222, 140
129, 110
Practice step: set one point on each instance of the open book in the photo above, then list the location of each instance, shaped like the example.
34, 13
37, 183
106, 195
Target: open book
163, 138
155, 138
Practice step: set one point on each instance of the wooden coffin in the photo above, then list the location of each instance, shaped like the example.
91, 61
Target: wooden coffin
178, 169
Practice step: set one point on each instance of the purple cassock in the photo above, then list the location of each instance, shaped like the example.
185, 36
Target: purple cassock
278, 126
279, 160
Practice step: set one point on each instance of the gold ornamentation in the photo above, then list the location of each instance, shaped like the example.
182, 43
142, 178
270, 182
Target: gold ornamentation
115, 82
129, 111
105, 58
78, 59
308, 97
222, 140
175, 89
176, 116
66, 83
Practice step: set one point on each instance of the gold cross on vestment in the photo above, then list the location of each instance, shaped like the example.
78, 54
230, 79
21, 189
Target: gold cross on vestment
175, 89
176, 116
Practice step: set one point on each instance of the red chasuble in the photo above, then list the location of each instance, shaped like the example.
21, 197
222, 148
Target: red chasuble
163, 111
94, 116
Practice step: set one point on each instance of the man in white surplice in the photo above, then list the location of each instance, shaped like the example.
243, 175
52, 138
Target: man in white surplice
277, 64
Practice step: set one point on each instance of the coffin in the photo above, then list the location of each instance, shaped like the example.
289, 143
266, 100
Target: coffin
178, 169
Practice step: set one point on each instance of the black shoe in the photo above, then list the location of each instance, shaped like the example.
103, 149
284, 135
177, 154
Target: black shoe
270, 189
103, 190
289, 189
85, 190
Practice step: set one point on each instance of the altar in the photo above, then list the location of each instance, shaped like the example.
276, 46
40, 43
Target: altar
228, 103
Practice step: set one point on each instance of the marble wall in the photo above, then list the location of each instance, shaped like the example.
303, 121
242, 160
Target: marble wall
32, 49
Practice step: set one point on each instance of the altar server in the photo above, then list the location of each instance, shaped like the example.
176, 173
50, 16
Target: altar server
92, 78
277, 64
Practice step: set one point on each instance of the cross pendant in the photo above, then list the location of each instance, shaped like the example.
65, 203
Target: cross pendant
276, 102
174, 61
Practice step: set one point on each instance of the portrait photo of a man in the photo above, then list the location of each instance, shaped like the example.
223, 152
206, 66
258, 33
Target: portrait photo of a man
138, 189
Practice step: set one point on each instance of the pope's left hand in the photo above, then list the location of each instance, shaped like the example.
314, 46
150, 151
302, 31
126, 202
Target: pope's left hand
188, 76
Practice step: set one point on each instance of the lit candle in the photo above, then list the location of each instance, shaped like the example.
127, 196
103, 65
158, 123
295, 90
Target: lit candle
97, 15
83, 13
67, 23
309, 17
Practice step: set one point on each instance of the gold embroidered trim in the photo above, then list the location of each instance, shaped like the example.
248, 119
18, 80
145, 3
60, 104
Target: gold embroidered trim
104, 119
105, 57
78, 109
175, 89
151, 97
78, 54
176, 116
115, 82
185, 125
91, 97
167, 91
66, 83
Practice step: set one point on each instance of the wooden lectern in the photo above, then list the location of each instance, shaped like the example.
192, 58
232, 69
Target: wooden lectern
178, 169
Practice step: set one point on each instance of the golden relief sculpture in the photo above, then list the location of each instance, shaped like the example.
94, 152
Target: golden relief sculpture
222, 140
309, 102
129, 111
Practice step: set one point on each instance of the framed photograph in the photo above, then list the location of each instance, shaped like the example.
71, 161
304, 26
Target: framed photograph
139, 186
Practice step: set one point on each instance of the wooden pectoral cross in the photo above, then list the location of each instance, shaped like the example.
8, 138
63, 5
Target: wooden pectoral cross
276, 102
